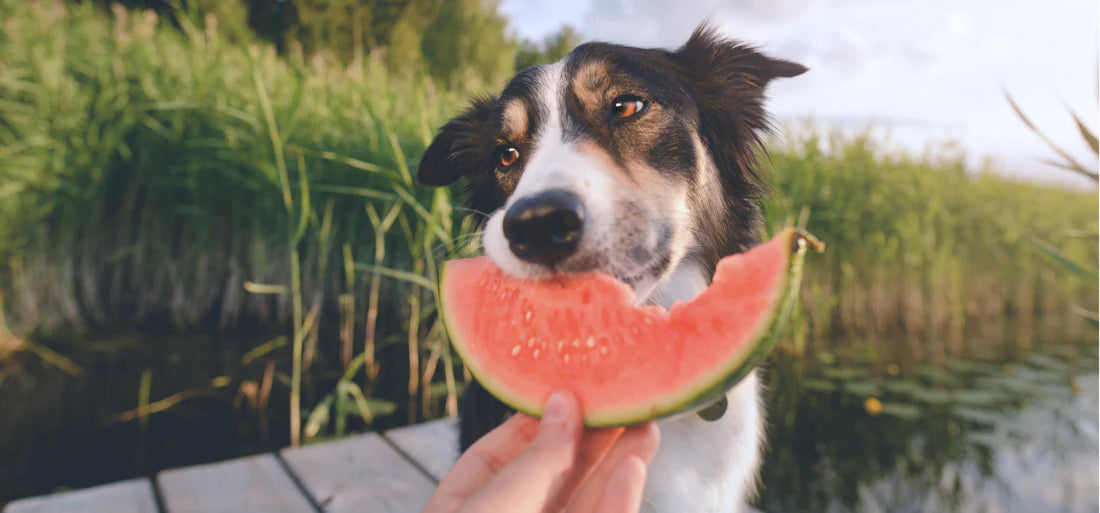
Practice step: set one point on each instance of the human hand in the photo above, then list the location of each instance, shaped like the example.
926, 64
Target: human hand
531, 466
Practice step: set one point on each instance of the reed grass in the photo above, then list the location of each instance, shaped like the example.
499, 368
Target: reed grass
921, 246
178, 179
170, 179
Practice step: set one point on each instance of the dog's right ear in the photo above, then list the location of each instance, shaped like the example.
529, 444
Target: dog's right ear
462, 146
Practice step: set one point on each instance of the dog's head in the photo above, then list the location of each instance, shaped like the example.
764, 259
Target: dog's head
618, 159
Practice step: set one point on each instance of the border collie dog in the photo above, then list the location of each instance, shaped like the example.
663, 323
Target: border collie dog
641, 163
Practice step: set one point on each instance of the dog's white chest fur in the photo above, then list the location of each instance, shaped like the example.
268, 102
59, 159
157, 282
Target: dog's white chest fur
705, 467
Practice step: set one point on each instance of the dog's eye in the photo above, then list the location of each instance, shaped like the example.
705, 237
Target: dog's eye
508, 155
626, 106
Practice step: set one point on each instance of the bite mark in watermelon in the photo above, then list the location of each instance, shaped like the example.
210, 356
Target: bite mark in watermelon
626, 363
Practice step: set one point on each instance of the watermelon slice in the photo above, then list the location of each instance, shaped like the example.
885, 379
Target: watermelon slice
626, 363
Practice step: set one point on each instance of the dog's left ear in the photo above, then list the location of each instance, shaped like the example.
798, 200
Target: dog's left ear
727, 80
460, 148
713, 58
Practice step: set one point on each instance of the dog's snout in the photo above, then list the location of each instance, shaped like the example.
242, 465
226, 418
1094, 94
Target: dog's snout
544, 228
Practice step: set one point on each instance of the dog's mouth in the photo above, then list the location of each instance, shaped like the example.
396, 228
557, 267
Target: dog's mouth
558, 232
632, 275
640, 260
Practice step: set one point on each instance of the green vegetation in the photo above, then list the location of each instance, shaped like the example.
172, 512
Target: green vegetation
1066, 162
552, 49
155, 177
182, 179
455, 41
918, 246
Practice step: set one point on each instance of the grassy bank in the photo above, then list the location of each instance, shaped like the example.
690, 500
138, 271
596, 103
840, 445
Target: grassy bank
920, 246
173, 180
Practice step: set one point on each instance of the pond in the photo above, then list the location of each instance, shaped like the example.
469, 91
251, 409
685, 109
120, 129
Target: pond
1001, 429
994, 426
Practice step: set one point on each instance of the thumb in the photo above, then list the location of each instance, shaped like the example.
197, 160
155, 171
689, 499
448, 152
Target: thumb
537, 477
559, 432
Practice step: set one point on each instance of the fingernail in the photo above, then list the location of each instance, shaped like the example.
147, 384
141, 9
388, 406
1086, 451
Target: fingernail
557, 408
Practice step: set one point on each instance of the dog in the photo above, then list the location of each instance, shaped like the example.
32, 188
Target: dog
644, 164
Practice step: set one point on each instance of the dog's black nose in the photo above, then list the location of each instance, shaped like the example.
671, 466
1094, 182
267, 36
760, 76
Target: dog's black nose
546, 227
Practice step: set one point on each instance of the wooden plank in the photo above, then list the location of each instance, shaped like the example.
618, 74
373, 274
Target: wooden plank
359, 473
433, 444
254, 484
133, 496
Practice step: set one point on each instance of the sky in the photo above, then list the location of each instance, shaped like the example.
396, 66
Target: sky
919, 72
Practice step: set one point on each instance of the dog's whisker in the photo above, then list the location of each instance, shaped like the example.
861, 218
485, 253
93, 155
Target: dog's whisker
471, 210
457, 245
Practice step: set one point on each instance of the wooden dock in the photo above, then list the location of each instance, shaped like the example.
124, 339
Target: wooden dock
392, 472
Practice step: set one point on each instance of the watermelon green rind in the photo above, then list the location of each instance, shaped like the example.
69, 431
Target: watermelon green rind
712, 385
501, 392
519, 403
801, 242
706, 388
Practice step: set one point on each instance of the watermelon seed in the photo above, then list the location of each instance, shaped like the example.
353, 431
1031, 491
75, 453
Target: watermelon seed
531, 342
527, 316
576, 342
567, 358
561, 344
536, 353
590, 342
516, 349
603, 349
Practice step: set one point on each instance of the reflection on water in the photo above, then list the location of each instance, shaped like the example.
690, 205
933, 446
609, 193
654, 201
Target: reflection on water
1010, 432
59, 432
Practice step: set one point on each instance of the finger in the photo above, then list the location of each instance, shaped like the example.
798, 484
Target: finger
623, 493
536, 479
482, 461
639, 442
594, 447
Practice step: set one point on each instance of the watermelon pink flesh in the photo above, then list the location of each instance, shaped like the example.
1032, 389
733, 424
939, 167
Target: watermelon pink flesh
627, 363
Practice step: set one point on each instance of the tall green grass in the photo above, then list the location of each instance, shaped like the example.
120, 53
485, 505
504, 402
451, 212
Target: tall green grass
169, 179
148, 172
920, 247
175, 179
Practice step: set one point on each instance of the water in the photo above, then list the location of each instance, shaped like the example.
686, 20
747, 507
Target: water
994, 427
1009, 430
59, 431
